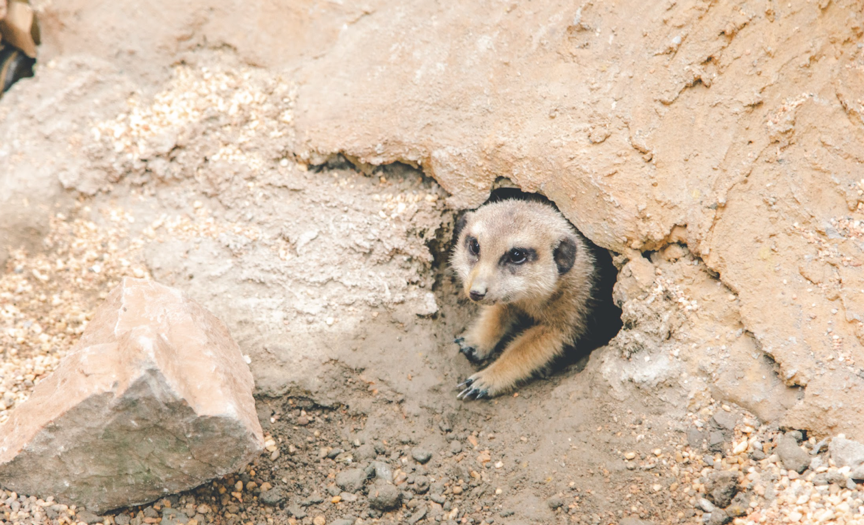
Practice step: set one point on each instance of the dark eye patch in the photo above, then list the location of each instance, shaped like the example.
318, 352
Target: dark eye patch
517, 256
473, 245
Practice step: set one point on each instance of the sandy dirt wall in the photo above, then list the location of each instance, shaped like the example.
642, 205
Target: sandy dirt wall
732, 127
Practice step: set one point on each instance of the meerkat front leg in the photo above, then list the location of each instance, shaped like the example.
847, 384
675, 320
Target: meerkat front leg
479, 341
524, 356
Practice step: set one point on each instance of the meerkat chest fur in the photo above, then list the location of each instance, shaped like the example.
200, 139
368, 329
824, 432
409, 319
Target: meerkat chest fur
523, 258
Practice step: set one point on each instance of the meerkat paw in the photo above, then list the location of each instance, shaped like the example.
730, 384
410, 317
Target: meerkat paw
480, 385
471, 351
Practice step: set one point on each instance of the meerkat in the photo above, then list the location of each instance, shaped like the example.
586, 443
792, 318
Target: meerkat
521, 260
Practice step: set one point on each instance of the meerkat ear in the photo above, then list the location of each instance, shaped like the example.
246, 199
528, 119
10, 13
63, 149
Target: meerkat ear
460, 224
565, 254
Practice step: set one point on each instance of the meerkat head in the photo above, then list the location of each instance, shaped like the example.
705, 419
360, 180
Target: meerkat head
512, 251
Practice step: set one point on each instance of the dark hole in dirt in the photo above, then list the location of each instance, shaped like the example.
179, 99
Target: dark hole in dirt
605, 320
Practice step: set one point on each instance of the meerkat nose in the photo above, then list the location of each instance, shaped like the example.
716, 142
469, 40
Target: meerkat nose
476, 296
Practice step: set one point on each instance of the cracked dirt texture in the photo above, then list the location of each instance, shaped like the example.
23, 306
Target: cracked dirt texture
715, 147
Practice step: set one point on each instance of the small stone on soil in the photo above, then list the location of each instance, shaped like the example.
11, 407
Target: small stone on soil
384, 496
555, 502
421, 456
271, 498
725, 420
791, 455
351, 480
721, 487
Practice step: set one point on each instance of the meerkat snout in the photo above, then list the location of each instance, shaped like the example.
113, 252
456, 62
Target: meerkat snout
521, 259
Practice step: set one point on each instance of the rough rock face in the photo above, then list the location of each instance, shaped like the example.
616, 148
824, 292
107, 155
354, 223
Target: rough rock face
155, 400
848, 453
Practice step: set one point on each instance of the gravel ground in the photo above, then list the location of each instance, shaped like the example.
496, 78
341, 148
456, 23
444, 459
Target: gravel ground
329, 471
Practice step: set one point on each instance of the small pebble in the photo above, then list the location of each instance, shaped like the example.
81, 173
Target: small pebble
421, 456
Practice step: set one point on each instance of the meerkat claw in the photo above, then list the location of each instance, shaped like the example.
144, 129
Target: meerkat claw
472, 393
469, 352
465, 383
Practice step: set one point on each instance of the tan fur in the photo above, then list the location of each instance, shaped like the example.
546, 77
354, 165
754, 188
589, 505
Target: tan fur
555, 301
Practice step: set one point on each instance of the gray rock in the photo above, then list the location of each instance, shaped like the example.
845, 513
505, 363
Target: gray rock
725, 420
382, 470
718, 517
836, 478
715, 441
173, 517
695, 437
848, 453
739, 505
88, 517
342, 521
384, 496
817, 462
421, 456
418, 515
455, 447
155, 399
705, 505
365, 452
722, 487
122, 519
314, 499
273, 497
796, 435
792, 456
555, 502
634, 521
757, 455
297, 511
421, 484
817, 448
351, 480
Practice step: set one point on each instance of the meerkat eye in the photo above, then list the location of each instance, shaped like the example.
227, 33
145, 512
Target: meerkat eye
517, 256
473, 246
